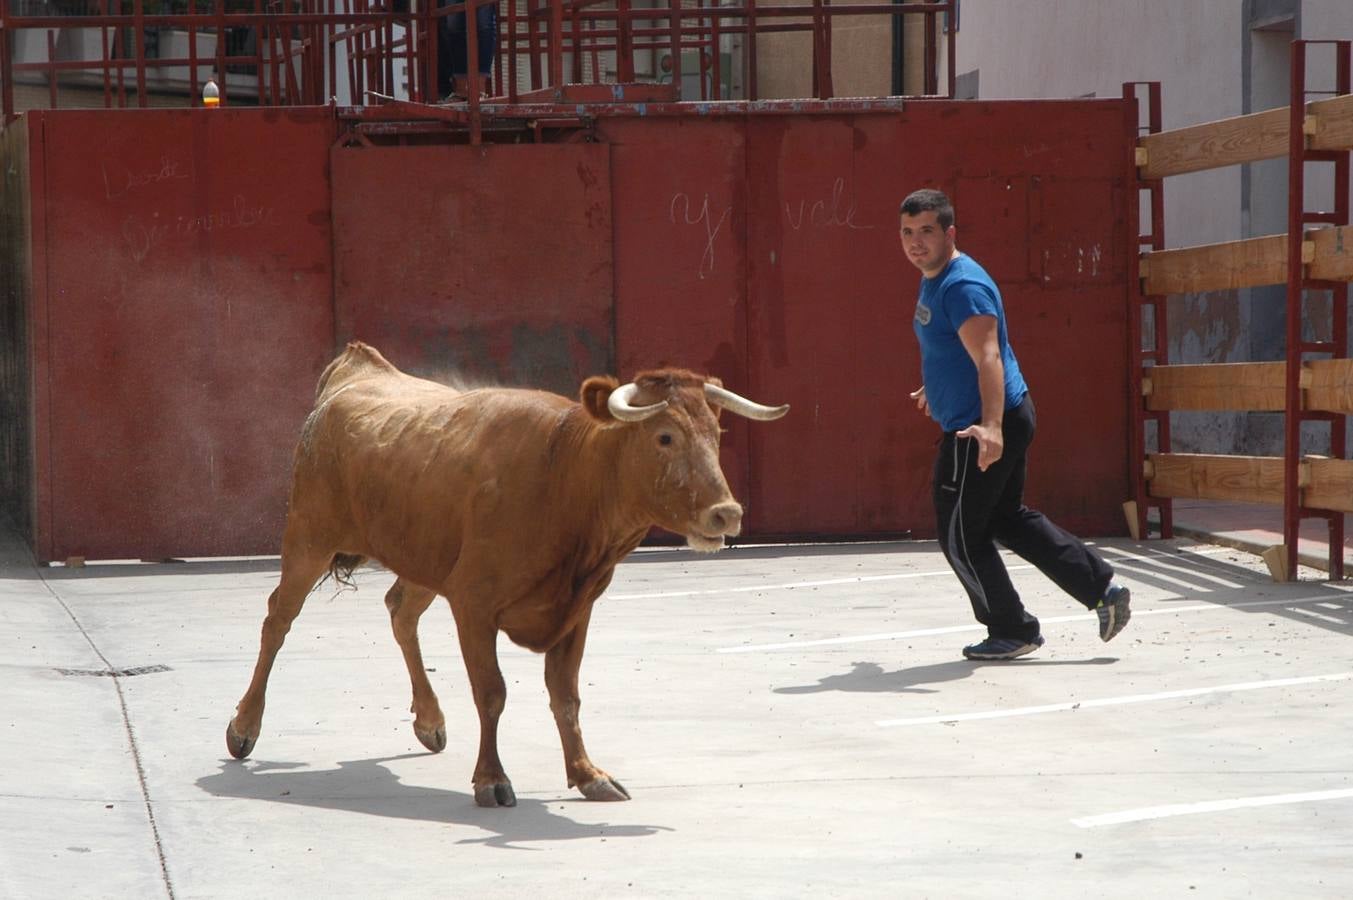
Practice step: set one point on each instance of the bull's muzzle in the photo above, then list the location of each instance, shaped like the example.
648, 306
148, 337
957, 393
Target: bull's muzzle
721, 519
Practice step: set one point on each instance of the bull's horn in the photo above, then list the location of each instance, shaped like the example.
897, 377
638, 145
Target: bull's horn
741, 405
620, 407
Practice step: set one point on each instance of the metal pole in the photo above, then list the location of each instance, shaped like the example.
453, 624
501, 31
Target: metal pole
1339, 427
1140, 304
1296, 161
953, 48
1161, 348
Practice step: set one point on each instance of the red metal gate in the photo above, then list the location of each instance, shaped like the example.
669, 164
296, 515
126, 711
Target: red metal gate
179, 307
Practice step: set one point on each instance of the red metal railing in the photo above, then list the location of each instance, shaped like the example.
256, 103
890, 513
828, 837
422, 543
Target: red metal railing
1146, 317
1298, 284
366, 52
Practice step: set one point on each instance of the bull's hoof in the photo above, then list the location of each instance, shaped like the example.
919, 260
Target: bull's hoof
238, 745
499, 794
604, 789
434, 740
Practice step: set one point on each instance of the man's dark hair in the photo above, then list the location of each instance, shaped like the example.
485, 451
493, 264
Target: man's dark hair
926, 200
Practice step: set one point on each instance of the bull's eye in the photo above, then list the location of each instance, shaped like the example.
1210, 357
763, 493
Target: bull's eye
665, 439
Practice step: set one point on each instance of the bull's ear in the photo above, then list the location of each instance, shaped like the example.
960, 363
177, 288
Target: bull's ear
594, 394
717, 382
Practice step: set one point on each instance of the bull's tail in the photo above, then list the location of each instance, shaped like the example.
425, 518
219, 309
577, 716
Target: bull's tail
357, 359
341, 568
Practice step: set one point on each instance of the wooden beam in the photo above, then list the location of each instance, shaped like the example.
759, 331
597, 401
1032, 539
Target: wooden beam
1198, 476
1242, 139
1216, 267
1333, 123
1327, 386
1219, 386
1333, 256
1325, 483
1330, 386
1236, 386
1275, 558
1130, 513
1331, 485
1213, 144
1328, 252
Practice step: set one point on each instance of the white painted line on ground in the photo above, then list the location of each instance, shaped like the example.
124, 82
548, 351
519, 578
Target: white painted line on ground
1191, 566
791, 585
857, 579
1188, 809
1114, 701
1196, 579
854, 639
1323, 617
1047, 620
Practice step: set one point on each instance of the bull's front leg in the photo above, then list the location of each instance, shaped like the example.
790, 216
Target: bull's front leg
561, 677
478, 647
407, 602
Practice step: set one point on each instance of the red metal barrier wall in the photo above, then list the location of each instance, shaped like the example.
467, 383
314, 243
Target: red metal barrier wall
180, 313
492, 262
765, 250
194, 270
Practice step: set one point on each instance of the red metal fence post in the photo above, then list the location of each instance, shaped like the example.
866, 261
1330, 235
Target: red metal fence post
1296, 183
1297, 345
6, 69
556, 47
750, 51
1140, 305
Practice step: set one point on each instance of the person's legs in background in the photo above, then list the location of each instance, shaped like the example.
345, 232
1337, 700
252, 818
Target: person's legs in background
453, 57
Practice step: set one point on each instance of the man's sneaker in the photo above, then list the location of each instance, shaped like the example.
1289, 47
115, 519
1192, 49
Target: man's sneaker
1113, 611
1002, 648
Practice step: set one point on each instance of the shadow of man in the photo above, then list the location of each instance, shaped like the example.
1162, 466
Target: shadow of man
869, 677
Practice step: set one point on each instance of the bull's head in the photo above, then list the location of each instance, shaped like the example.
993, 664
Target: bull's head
671, 426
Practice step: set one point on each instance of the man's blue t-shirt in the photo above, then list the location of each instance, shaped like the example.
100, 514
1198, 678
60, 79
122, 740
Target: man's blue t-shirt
962, 290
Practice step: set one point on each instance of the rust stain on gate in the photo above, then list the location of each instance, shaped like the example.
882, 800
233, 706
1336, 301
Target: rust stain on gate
192, 271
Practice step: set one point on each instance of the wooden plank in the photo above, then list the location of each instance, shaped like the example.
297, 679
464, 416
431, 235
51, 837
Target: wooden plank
1257, 387
1227, 142
1212, 144
1276, 559
1333, 123
1333, 259
1331, 484
1130, 513
1216, 267
1330, 385
1198, 476
1234, 386
1248, 263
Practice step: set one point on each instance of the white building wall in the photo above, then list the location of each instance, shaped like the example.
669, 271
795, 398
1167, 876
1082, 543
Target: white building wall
1214, 59
1326, 20
1323, 20
1073, 48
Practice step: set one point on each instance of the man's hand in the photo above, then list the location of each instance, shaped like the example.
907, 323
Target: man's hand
919, 396
990, 443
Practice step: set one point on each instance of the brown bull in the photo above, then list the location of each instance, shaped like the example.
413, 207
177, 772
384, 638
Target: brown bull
514, 504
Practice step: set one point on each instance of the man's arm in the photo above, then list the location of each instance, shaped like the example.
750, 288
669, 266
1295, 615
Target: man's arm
980, 339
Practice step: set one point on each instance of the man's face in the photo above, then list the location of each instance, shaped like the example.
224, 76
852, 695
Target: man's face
926, 244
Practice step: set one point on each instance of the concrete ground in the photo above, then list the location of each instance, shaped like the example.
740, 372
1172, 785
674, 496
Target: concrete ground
791, 721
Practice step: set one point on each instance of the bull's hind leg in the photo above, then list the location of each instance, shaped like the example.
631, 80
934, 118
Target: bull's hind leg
407, 602
300, 571
478, 646
561, 677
